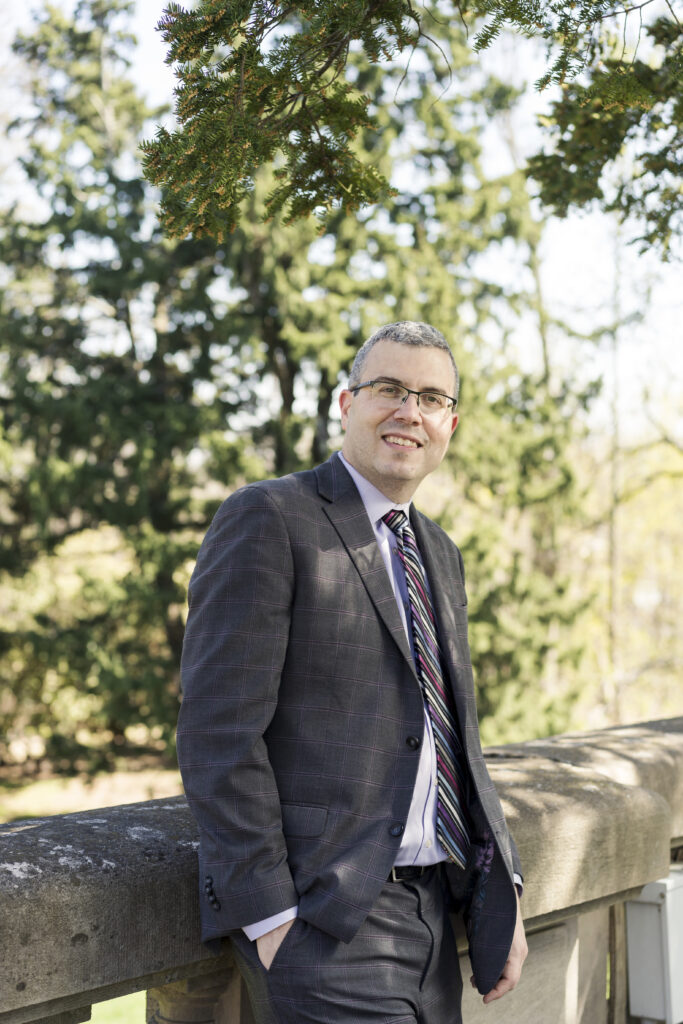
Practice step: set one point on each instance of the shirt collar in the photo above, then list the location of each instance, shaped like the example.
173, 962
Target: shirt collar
376, 504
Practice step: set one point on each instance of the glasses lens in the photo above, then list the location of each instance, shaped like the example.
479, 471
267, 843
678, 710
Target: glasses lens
430, 402
390, 393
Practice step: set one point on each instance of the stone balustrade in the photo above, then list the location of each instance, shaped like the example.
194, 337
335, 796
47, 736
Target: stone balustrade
101, 903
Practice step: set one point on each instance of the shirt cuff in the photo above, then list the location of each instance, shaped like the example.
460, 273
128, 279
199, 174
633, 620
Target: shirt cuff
259, 928
519, 884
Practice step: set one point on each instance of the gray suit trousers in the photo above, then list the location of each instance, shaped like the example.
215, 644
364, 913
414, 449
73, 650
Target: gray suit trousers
401, 966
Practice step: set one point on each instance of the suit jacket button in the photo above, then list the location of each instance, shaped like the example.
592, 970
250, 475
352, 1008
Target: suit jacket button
396, 830
413, 742
216, 904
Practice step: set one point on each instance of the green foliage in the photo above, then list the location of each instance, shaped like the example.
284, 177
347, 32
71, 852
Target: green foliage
143, 379
108, 386
517, 485
263, 80
625, 102
572, 31
274, 84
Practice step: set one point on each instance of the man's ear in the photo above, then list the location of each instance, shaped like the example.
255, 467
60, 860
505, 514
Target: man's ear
345, 399
454, 422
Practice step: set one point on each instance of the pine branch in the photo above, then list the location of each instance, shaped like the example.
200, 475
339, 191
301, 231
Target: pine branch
285, 102
264, 83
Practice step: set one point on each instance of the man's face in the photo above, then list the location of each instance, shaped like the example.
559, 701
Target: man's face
395, 449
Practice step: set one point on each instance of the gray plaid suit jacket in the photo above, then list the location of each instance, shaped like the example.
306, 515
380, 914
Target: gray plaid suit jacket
299, 697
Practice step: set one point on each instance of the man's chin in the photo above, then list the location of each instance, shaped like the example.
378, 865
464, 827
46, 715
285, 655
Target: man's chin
406, 466
398, 482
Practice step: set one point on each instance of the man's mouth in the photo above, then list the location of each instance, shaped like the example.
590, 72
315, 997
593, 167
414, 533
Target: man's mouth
405, 442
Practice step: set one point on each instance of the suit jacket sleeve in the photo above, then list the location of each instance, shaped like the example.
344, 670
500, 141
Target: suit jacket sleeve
235, 646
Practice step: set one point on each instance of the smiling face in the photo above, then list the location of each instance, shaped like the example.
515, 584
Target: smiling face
396, 449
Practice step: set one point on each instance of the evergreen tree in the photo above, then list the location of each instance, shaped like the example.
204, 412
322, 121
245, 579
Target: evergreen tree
108, 386
143, 379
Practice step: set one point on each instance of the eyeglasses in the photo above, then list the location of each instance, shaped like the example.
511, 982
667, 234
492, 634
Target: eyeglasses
430, 403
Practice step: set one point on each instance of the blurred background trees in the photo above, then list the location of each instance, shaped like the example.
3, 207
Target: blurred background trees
142, 379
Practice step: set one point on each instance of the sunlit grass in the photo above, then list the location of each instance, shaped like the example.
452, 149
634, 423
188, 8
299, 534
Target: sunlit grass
127, 1010
60, 795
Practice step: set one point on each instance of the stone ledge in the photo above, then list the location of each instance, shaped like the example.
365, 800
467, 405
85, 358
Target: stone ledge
648, 755
645, 764
96, 900
582, 838
89, 899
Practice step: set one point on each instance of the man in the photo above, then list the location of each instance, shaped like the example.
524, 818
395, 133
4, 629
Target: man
328, 736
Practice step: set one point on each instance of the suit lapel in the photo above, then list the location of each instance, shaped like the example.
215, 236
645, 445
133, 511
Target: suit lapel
346, 512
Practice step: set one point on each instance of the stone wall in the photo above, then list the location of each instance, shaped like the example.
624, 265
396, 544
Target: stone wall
101, 903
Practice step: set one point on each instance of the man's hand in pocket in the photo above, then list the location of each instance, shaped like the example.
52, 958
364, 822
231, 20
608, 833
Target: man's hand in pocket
267, 945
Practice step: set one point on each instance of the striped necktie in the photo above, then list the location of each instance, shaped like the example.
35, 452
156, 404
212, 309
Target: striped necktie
451, 816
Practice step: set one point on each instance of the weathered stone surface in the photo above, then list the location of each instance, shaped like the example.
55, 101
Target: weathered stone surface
563, 981
548, 990
593, 936
87, 899
581, 837
648, 755
220, 999
196, 1000
70, 1017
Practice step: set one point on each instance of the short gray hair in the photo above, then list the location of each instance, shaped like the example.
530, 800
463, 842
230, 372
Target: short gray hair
404, 332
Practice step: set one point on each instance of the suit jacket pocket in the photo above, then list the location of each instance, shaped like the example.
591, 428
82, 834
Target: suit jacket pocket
306, 820
281, 954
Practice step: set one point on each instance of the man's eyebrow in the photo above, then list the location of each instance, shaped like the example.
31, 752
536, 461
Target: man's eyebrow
394, 380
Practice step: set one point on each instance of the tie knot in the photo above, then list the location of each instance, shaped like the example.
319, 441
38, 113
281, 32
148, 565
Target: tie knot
395, 519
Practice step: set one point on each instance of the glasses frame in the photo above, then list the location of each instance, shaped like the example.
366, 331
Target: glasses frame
408, 392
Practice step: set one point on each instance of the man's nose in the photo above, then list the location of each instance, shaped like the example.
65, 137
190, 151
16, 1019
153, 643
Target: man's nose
409, 409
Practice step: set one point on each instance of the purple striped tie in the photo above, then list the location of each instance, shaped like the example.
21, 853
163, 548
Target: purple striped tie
451, 815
